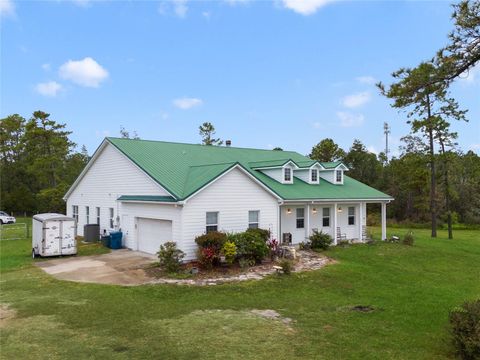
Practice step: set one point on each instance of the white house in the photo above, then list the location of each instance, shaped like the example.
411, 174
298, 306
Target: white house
158, 191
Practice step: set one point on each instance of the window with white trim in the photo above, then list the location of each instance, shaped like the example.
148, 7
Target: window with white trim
351, 215
287, 174
326, 217
98, 215
212, 221
314, 175
87, 214
300, 218
339, 175
75, 212
253, 219
111, 213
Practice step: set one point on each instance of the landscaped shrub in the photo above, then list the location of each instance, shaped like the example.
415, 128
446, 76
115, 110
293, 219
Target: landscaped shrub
264, 234
320, 240
250, 245
170, 258
305, 245
207, 256
229, 250
408, 239
286, 266
213, 239
465, 328
245, 262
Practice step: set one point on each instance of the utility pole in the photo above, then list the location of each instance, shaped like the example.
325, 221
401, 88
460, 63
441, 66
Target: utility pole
386, 131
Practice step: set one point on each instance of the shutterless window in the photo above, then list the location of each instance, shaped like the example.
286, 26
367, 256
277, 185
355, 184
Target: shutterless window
212, 221
300, 218
314, 176
287, 174
112, 217
351, 215
339, 175
75, 212
87, 214
326, 217
98, 215
253, 219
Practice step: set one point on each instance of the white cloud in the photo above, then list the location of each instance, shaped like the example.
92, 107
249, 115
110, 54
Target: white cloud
475, 147
7, 8
81, 3
180, 8
206, 15
50, 88
356, 100
471, 76
305, 7
350, 120
86, 72
46, 67
367, 80
187, 103
236, 2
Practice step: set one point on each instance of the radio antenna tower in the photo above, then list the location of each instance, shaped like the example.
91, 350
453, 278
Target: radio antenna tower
386, 131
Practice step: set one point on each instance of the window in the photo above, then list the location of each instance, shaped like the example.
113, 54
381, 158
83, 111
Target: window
326, 217
112, 217
75, 212
253, 219
300, 218
339, 175
212, 221
98, 215
87, 214
351, 215
287, 174
314, 175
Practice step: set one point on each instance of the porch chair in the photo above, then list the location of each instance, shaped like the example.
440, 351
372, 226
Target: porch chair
340, 236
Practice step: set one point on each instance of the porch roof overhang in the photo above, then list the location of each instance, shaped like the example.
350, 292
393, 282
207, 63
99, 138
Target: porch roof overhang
338, 200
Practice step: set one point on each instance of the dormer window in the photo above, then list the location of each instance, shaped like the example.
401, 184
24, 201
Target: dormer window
339, 174
314, 176
287, 174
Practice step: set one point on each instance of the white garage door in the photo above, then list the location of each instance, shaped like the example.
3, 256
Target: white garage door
152, 233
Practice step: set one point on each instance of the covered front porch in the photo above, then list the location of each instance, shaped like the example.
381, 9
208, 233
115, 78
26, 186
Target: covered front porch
344, 220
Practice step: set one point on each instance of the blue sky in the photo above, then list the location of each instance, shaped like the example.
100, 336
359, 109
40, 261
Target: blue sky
281, 73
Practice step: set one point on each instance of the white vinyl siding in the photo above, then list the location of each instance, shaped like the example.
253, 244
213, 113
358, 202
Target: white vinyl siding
111, 175
232, 196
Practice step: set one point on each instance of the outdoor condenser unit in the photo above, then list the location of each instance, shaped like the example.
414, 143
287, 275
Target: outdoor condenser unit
53, 235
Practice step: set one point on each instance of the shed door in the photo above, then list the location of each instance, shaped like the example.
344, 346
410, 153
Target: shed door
152, 233
52, 238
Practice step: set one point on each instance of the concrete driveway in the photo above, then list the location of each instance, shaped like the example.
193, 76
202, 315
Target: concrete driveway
120, 267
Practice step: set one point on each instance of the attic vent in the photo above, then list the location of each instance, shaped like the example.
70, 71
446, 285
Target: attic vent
228, 143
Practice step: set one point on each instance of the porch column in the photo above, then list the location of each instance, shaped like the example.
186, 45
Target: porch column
384, 221
307, 228
335, 223
360, 221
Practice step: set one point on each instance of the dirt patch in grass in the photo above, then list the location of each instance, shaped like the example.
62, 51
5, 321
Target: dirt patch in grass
362, 308
229, 334
6, 314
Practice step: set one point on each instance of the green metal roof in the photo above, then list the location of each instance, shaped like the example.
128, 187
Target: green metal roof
147, 198
182, 169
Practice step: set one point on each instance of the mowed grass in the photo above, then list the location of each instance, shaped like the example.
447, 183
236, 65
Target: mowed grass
410, 288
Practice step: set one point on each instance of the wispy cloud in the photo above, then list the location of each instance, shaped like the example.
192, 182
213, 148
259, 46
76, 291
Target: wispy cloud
206, 14
7, 8
46, 67
82, 3
50, 88
306, 7
356, 100
348, 119
86, 72
367, 80
180, 8
186, 103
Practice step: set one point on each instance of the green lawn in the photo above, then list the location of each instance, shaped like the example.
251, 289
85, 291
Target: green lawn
411, 289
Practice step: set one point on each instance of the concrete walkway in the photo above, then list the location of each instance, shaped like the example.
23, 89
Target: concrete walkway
120, 267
